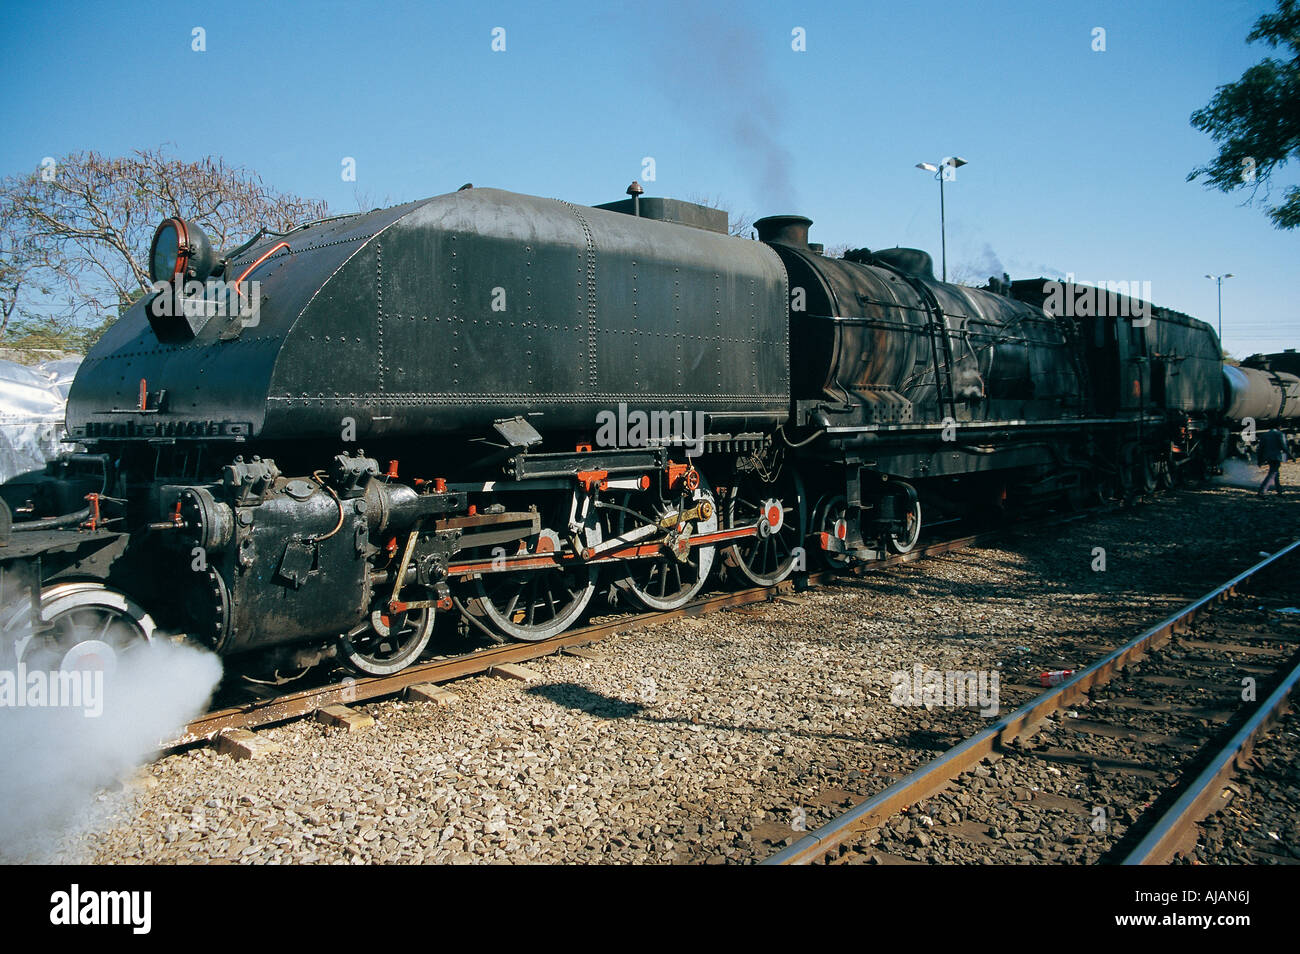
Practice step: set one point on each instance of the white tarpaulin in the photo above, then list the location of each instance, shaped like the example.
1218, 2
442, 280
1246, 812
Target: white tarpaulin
32, 401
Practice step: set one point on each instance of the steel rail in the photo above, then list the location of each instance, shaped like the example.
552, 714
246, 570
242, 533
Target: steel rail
932, 776
1176, 828
306, 701
295, 705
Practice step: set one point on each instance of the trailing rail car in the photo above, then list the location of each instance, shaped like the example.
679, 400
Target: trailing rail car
494, 405
1261, 393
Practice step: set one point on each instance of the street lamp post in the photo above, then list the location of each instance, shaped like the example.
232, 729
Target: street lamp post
945, 169
1218, 280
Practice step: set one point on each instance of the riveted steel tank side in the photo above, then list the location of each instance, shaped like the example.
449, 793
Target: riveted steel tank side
214, 386
444, 315
485, 304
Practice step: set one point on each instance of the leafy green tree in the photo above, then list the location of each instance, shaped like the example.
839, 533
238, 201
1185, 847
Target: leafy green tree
1256, 120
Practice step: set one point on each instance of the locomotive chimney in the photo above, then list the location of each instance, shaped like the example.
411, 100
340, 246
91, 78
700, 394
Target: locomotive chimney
635, 190
784, 229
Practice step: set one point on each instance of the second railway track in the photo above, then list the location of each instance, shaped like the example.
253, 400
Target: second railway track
1113, 765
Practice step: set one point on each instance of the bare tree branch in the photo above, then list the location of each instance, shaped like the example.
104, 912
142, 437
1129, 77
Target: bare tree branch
738, 223
77, 241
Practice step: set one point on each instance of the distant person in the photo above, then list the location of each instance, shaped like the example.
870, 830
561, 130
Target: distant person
1272, 451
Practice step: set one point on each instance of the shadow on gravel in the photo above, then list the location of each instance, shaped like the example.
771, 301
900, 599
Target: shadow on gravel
925, 740
573, 696
581, 699
1226, 529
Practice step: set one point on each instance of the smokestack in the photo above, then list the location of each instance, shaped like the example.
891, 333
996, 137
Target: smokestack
784, 229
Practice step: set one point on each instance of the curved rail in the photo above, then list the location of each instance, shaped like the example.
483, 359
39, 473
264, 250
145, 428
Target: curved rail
932, 776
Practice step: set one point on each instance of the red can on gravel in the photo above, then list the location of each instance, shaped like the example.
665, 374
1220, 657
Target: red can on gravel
1055, 677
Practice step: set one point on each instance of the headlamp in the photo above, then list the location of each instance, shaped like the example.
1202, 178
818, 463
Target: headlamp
180, 252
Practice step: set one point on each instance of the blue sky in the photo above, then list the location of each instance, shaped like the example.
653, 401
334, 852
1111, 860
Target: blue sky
1078, 158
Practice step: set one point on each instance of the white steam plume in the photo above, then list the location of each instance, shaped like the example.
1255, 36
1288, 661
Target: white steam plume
54, 759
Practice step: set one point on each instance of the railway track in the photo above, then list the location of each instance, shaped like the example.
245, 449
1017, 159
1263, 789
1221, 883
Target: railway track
1176, 832
282, 707
1168, 716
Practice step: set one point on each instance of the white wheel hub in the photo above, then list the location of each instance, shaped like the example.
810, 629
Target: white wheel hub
771, 518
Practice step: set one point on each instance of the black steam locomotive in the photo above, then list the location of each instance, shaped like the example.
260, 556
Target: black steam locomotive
490, 404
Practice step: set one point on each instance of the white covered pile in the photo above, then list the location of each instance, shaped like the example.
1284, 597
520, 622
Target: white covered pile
32, 402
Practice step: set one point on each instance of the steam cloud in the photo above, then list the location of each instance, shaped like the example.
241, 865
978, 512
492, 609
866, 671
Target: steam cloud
53, 760
1240, 473
988, 264
712, 62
